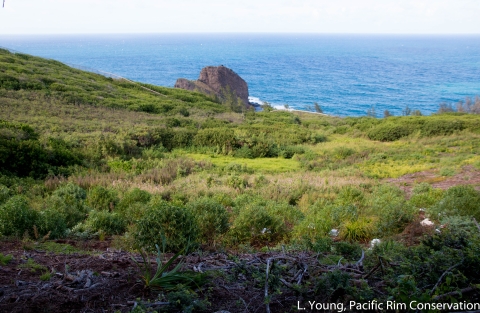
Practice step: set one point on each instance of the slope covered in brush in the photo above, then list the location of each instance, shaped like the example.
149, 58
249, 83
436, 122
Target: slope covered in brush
54, 79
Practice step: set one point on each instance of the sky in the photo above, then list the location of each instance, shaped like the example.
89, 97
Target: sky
245, 16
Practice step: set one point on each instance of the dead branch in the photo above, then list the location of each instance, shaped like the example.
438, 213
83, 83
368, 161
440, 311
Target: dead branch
360, 262
443, 275
455, 293
305, 268
372, 271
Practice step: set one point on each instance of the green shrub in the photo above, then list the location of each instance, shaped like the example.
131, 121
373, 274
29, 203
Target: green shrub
424, 196
102, 199
165, 222
441, 127
343, 152
244, 152
350, 195
5, 259
21, 154
212, 219
183, 138
133, 204
221, 138
69, 201
256, 226
393, 212
16, 216
289, 214
106, 222
458, 200
350, 251
4, 193
389, 132
53, 222
360, 230
287, 152
313, 228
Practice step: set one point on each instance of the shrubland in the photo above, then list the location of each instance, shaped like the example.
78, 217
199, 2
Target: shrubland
85, 156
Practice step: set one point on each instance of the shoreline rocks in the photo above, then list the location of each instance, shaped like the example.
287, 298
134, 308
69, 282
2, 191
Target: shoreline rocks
219, 81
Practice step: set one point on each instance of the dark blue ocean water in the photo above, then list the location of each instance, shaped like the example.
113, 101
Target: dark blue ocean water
345, 74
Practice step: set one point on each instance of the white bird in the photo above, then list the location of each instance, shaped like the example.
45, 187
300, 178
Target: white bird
374, 242
427, 222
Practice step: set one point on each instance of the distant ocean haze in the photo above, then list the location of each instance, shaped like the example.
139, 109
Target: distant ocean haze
346, 74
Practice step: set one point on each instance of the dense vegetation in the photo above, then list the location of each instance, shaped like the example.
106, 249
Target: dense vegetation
85, 156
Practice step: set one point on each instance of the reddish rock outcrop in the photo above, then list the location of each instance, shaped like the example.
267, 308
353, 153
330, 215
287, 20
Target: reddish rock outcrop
217, 80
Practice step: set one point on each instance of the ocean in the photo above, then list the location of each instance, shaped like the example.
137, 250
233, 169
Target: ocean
345, 74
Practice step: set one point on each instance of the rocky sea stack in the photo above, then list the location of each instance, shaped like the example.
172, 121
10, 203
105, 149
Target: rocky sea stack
219, 81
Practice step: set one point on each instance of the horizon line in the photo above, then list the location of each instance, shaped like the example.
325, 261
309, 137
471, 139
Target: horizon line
243, 33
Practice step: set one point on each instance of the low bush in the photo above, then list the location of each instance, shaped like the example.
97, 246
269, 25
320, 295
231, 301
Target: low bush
221, 138
165, 223
102, 199
360, 230
53, 223
133, 204
424, 196
212, 219
389, 132
254, 225
4, 193
313, 228
458, 200
391, 209
441, 127
69, 201
16, 216
106, 222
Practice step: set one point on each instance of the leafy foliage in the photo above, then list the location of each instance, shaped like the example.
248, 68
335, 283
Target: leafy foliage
109, 223
212, 219
165, 222
16, 216
69, 201
102, 199
163, 279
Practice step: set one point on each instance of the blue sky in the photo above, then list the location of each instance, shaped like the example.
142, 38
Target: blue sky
277, 16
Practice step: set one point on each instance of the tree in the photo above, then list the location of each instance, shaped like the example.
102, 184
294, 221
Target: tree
407, 111
445, 108
386, 114
317, 107
371, 112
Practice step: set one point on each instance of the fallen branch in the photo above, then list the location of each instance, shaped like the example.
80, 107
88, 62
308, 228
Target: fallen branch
443, 275
267, 302
360, 262
455, 293
269, 260
372, 271
305, 268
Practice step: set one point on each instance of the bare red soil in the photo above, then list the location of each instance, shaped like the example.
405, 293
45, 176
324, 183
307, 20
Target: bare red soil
467, 176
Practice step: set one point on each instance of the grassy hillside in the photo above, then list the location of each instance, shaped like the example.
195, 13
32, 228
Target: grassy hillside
83, 156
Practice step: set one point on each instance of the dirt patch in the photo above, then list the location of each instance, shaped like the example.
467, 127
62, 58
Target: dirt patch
112, 281
468, 175
108, 280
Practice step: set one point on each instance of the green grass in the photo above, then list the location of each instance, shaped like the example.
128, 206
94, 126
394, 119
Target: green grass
5, 259
260, 165
31, 265
57, 248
